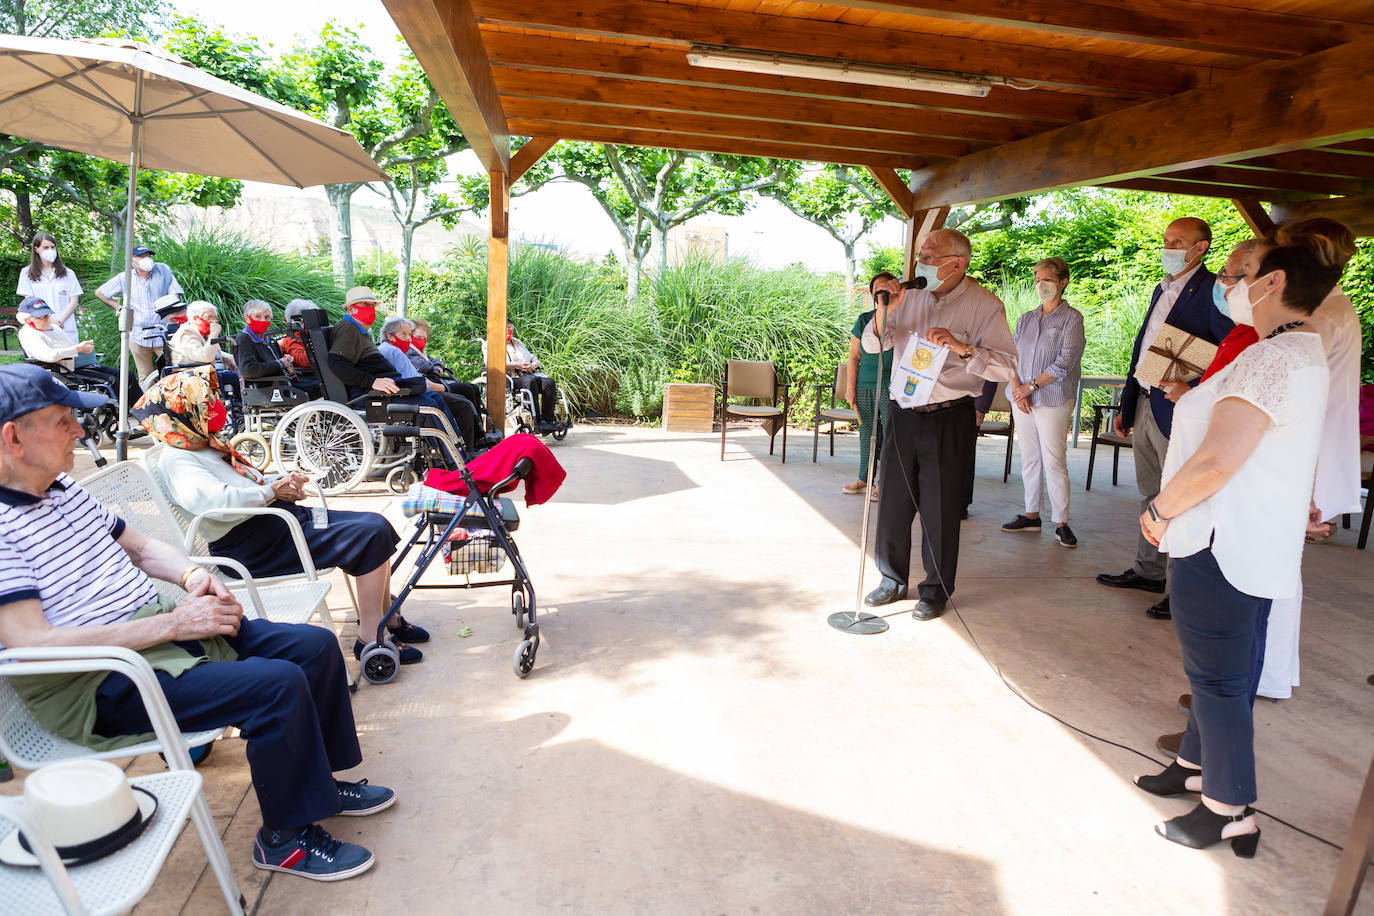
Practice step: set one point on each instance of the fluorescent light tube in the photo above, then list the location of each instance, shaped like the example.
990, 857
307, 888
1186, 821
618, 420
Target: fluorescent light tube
839, 71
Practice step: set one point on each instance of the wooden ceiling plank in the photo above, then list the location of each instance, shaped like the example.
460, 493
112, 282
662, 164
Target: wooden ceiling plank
1255, 216
444, 37
712, 125
561, 54
967, 131
526, 156
1168, 23
707, 144
1321, 99
1314, 162
1355, 212
1163, 185
895, 187
1272, 180
694, 25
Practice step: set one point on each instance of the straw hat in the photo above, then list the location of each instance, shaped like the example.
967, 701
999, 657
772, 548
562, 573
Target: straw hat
86, 808
359, 294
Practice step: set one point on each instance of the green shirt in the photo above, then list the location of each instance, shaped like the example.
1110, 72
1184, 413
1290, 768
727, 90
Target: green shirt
868, 362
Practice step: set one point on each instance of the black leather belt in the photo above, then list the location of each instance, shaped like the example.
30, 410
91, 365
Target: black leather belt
942, 405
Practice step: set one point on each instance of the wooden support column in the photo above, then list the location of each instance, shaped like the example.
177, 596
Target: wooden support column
1255, 216
1354, 862
498, 248
1355, 212
922, 224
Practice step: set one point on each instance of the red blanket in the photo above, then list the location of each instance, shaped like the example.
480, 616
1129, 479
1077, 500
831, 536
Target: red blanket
495, 465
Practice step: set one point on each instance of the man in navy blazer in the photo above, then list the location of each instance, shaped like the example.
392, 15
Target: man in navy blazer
1184, 300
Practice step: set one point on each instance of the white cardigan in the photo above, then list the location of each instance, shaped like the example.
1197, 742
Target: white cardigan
198, 481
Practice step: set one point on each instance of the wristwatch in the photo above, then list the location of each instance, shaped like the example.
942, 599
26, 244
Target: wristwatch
1150, 508
1034, 385
968, 351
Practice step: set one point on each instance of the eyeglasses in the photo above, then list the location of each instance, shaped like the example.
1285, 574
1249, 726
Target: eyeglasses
1232, 277
932, 258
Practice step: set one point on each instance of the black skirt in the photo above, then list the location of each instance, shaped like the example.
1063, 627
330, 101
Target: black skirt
356, 542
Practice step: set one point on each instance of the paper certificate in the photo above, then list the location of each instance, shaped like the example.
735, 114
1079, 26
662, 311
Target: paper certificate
914, 375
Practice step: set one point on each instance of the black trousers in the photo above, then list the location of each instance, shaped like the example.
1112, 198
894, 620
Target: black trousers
464, 416
544, 392
934, 452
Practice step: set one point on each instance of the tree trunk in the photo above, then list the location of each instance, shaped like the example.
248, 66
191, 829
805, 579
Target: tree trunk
117, 242
23, 214
403, 269
850, 269
658, 245
341, 232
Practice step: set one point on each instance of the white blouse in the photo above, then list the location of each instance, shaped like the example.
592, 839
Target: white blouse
1256, 522
58, 292
1338, 462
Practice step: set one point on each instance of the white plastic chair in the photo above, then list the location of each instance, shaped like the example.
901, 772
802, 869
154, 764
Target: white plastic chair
116, 883
128, 490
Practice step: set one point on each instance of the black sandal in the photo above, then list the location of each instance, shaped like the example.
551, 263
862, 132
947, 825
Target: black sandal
1170, 783
1202, 827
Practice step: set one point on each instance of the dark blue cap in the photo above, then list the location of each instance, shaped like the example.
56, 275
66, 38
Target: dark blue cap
34, 307
25, 388
141, 250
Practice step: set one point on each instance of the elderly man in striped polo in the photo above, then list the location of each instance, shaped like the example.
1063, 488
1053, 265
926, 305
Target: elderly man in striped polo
74, 574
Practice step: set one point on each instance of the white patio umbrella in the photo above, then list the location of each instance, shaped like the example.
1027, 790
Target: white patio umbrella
123, 100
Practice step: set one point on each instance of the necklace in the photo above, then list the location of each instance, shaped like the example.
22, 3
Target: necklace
1284, 327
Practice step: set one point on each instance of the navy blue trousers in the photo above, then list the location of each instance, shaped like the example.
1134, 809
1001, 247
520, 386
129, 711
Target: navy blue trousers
1222, 632
423, 399
287, 693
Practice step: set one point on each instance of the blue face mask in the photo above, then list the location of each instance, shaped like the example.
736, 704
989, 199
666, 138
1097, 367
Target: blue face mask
931, 273
1219, 299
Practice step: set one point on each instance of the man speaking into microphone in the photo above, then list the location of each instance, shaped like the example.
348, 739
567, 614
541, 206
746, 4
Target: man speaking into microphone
947, 334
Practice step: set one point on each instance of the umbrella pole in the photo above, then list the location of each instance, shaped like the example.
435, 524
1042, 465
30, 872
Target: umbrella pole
126, 314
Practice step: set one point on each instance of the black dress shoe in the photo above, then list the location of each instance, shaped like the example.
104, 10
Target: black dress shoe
888, 591
1160, 610
928, 609
1131, 579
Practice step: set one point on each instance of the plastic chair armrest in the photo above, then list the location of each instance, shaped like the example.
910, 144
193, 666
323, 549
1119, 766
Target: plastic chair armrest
245, 579
292, 525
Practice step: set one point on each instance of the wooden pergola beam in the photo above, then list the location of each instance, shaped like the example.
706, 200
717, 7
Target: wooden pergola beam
1314, 162
526, 156
1268, 180
613, 116
1255, 216
1327, 97
959, 131
895, 187
921, 224
498, 288
1163, 184
1355, 212
562, 54
713, 144
444, 38
676, 23
1166, 23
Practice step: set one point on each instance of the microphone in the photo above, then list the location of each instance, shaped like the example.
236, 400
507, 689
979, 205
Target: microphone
916, 283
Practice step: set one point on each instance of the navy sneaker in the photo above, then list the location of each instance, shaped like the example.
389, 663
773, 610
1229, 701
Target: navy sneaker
1064, 535
311, 853
405, 631
358, 798
1021, 523
409, 654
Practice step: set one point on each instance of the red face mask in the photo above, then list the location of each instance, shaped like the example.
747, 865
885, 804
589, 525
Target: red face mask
402, 345
178, 319
510, 335
258, 326
365, 314
202, 325
216, 417
419, 342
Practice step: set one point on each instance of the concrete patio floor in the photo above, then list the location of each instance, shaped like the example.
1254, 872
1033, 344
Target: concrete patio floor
695, 739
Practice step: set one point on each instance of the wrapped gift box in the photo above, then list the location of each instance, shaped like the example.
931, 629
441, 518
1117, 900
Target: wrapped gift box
1174, 356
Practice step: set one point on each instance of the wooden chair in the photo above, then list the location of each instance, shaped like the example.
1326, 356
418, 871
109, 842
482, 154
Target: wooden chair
756, 380
832, 414
1103, 433
9, 329
1367, 484
1006, 427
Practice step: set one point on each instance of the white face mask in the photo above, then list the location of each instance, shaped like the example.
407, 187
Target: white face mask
144, 264
48, 254
1238, 303
1173, 259
1046, 289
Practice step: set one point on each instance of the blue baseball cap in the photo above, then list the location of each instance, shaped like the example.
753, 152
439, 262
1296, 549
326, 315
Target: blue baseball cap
25, 388
34, 307
140, 250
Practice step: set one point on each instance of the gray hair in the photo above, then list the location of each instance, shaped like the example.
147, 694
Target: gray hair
201, 309
253, 306
1059, 266
393, 324
954, 239
296, 306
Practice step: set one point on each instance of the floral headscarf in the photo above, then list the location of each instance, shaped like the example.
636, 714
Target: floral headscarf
174, 411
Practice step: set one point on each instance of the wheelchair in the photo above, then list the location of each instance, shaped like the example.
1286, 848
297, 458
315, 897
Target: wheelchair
164, 366
97, 423
521, 408
343, 441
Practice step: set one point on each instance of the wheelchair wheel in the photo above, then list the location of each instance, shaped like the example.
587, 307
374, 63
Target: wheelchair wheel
517, 607
331, 442
399, 479
252, 446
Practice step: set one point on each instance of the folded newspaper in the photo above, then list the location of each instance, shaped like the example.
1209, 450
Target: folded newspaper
1174, 356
